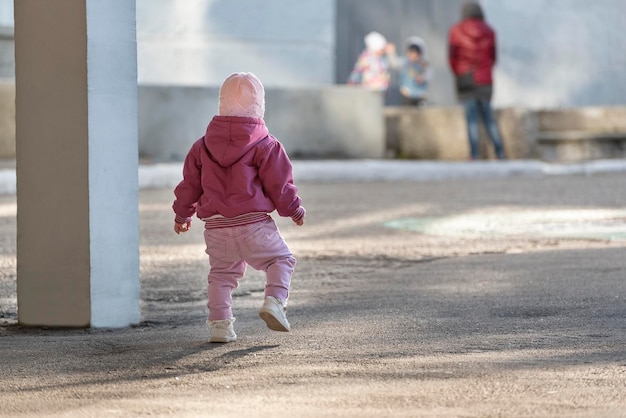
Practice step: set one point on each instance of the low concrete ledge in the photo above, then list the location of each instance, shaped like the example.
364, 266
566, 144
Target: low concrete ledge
7, 119
440, 133
427, 133
7, 52
577, 136
582, 133
324, 122
347, 122
581, 145
588, 119
7, 33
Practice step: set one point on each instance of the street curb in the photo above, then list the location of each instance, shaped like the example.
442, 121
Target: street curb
167, 175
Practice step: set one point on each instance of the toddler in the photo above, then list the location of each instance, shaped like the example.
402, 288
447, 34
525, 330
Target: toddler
414, 74
372, 68
233, 178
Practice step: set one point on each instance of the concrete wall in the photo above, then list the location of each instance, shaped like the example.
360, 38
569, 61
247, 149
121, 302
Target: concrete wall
200, 42
336, 122
584, 134
434, 133
7, 119
559, 53
590, 119
6, 13
7, 53
440, 133
549, 55
397, 20
7, 49
328, 122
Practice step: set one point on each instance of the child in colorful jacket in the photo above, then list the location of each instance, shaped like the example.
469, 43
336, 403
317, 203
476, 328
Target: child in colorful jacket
233, 178
372, 68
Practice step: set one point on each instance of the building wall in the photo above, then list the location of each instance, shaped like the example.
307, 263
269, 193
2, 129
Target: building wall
397, 20
559, 53
326, 122
6, 12
549, 55
7, 50
200, 42
7, 53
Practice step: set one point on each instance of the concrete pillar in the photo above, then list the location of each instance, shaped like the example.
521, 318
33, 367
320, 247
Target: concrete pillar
77, 186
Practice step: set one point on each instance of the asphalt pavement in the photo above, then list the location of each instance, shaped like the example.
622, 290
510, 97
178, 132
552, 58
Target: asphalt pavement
495, 293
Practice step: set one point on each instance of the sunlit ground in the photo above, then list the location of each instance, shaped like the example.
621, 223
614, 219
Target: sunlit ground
604, 224
409, 221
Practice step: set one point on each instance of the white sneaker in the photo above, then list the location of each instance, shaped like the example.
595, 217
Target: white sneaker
274, 313
222, 331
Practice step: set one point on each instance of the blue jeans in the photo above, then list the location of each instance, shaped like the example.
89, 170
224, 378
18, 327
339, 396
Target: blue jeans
481, 107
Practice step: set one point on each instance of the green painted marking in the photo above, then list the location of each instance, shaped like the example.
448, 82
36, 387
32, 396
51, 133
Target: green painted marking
603, 224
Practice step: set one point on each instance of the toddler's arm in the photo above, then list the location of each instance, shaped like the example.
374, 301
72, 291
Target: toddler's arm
275, 172
188, 190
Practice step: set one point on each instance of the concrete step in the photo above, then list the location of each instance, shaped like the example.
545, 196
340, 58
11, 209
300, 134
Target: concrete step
580, 145
595, 119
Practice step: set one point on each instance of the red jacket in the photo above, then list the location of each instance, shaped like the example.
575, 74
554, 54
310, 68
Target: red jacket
472, 46
234, 169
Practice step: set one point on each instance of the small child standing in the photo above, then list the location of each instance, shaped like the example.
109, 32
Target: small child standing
233, 178
414, 74
372, 68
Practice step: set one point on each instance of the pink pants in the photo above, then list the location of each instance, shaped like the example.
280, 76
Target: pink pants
231, 249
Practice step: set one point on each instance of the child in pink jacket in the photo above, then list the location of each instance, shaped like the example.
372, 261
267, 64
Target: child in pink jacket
233, 178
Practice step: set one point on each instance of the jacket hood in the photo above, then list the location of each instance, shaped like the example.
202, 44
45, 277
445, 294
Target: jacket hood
416, 40
228, 138
474, 28
472, 10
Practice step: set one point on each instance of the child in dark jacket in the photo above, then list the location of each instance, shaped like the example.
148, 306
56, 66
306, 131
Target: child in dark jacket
233, 178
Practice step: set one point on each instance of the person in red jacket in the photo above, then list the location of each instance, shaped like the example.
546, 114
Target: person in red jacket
233, 178
472, 55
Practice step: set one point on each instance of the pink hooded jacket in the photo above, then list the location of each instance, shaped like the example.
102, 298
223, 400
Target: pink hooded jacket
234, 169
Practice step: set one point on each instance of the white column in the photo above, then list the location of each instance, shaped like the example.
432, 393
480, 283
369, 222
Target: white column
77, 192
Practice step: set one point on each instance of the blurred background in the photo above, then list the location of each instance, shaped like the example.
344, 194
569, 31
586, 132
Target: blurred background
560, 69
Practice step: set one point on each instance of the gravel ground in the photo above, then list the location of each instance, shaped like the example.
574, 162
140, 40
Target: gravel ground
386, 322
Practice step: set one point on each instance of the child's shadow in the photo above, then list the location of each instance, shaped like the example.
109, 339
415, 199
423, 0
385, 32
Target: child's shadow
210, 363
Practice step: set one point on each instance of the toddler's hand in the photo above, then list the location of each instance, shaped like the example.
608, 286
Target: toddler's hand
178, 228
298, 217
